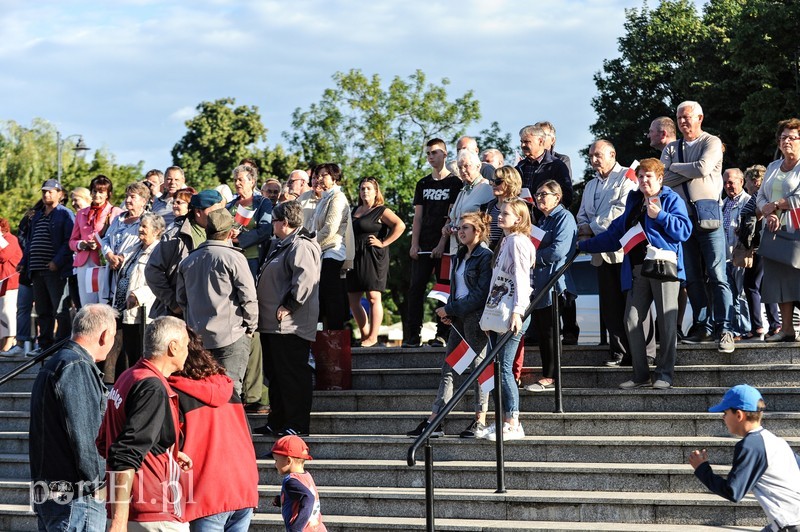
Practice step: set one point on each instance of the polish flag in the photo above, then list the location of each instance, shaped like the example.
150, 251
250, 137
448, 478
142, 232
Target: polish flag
486, 379
3, 242
525, 194
243, 215
444, 269
92, 280
461, 357
440, 292
794, 216
537, 234
630, 173
632, 238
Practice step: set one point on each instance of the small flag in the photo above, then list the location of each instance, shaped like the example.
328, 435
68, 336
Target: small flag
92, 280
444, 269
3, 242
525, 194
486, 379
243, 215
794, 217
630, 173
461, 357
537, 234
632, 238
440, 292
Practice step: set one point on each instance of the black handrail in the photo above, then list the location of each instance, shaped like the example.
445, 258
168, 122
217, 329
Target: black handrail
32, 362
490, 358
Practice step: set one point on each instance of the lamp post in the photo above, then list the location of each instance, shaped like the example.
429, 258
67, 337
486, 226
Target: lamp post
80, 146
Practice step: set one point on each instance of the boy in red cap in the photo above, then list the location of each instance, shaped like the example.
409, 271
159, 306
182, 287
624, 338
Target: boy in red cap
299, 500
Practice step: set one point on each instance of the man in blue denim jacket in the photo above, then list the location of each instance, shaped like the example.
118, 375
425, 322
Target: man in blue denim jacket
66, 409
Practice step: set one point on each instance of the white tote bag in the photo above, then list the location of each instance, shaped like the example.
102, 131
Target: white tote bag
499, 305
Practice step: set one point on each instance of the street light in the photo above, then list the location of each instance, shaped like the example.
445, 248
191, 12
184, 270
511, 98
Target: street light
80, 147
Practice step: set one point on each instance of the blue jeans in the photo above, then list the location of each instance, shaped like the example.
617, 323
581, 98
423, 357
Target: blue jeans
704, 255
740, 321
506, 357
85, 514
24, 307
235, 521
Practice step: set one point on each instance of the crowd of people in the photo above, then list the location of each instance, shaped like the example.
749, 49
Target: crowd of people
248, 276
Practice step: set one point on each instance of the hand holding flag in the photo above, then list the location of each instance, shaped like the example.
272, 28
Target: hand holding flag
243, 216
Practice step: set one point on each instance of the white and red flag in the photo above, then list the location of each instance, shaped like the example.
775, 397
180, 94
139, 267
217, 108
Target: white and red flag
486, 379
3, 242
440, 292
630, 173
632, 238
461, 357
794, 216
92, 280
243, 216
525, 194
537, 234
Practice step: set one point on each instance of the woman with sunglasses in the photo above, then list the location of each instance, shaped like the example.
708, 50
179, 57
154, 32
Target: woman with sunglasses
375, 227
507, 185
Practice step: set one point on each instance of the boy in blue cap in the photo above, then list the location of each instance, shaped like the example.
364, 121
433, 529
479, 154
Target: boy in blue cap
762, 462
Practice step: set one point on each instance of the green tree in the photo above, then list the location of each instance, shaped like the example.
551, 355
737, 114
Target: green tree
494, 137
373, 129
216, 140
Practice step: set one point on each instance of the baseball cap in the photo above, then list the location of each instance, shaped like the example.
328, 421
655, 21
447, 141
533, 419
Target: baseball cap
292, 446
219, 221
52, 184
741, 397
205, 199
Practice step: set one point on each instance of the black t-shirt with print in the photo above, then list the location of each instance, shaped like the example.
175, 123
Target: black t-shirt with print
434, 196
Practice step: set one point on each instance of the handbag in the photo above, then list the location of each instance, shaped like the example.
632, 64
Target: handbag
660, 264
499, 305
781, 246
741, 257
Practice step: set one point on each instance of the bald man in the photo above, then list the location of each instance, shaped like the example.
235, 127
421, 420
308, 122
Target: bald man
470, 144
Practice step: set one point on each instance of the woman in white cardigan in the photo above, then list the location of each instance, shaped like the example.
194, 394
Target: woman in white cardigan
334, 229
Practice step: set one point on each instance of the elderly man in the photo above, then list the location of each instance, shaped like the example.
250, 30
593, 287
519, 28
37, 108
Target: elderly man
540, 165
735, 200
174, 180
218, 296
470, 144
661, 133
139, 434
271, 189
604, 200
550, 145
693, 169
67, 403
154, 179
494, 157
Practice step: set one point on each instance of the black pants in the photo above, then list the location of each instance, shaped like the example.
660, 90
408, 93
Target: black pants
421, 270
543, 321
612, 307
333, 306
132, 347
289, 375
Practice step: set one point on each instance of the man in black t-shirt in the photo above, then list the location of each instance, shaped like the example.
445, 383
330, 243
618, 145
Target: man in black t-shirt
433, 197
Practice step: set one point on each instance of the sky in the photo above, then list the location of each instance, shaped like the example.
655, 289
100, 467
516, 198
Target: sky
127, 74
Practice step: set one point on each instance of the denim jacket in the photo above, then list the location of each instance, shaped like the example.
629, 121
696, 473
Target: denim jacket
477, 277
561, 233
66, 409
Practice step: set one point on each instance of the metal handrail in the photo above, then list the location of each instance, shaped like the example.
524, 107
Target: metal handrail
491, 358
32, 362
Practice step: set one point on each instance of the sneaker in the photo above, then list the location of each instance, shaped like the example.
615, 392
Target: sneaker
661, 385
34, 353
781, 336
629, 385
509, 433
491, 433
291, 432
725, 344
614, 361
437, 342
651, 361
698, 335
16, 351
266, 430
476, 429
422, 426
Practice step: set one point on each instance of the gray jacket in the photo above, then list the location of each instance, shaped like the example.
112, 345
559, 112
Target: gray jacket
290, 277
216, 291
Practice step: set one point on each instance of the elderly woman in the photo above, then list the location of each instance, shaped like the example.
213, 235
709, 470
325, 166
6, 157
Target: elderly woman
778, 195
749, 234
91, 222
10, 256
475, 192
375, 227
180, 209
334, 229
559, 236
507, 185
131, 291
288, 308
253, 216
662, 215
122, 235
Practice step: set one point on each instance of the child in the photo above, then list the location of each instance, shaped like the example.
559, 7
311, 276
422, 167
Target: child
299, 500
762, 462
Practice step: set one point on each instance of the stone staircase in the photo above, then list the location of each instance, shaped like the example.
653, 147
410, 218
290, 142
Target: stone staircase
615, 461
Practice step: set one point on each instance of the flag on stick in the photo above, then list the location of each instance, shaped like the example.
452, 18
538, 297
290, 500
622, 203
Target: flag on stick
486, 379
537, 234
632, 238
440, 292
461, 357
525, 194
92, 280
630, 173
243, 215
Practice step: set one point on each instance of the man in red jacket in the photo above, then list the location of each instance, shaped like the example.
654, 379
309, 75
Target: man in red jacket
139, 434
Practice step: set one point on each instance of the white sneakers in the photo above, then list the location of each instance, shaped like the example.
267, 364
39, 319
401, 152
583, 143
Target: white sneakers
509, 433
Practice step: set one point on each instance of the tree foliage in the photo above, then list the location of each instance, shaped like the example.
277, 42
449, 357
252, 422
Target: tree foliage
379, 130
738, 58
217, 138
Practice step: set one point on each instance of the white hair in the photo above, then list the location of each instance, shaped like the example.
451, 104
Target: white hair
689, 103
160, 333
470, 156
302, 173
